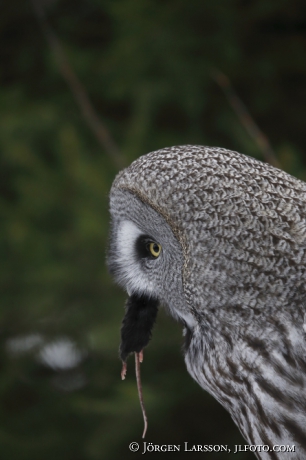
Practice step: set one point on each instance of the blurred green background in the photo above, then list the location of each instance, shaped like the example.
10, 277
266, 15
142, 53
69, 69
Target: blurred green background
148, 69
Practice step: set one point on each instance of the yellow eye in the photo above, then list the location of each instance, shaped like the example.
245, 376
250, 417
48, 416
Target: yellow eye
155, 249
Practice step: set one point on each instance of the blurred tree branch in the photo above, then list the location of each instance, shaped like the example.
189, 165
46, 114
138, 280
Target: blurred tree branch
79, 92
245, 118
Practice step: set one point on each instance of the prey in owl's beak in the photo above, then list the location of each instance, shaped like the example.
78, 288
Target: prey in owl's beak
136, 330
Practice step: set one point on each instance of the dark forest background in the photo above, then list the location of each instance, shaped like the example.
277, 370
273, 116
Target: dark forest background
87, 86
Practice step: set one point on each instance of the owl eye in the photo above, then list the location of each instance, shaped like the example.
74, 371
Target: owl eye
154, 249
146, 248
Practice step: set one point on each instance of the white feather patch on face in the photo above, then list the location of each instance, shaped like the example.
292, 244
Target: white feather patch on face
127, 235
131, 273
187, 318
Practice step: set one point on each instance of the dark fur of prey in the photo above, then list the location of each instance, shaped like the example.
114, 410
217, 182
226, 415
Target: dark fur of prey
137, 324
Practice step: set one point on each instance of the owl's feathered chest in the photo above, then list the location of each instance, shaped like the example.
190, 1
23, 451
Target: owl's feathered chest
260, 382
207, 360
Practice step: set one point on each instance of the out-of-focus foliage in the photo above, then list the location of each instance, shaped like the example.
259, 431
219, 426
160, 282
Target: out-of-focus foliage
147, 67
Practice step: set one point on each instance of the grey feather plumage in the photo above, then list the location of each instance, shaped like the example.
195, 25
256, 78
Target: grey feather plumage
232, 270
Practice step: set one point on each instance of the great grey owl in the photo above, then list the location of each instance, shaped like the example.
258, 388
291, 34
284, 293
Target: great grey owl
219, 239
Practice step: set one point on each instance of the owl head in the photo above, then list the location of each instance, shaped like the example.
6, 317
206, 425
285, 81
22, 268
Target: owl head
205, 232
